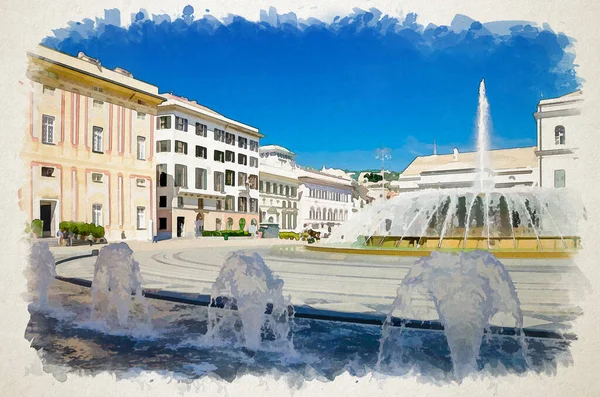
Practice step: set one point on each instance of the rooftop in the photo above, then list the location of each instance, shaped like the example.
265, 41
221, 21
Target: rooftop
499, 159
196, 108
275, 148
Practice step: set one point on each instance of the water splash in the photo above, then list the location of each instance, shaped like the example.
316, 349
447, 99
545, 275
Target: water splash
41, 274
483, 136
258, 318
467, 289
117, 289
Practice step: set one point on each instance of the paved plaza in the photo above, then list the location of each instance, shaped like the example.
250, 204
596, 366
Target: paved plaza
549, 290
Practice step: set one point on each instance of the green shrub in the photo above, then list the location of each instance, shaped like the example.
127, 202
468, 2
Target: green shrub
289, 235
242, 223
230, 233
97, 231
37, 226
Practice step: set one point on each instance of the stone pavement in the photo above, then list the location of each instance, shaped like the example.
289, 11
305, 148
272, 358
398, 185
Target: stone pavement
548, 289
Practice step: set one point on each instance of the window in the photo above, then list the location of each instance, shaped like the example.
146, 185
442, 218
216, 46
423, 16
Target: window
140, 182
141, 148
162, 201
161, 177
254, 162
229, 223
98, 89
268, 189
229, 156
229, 178
163, 123
200, 178
559, 178
48, 90
253, 205
181, 124
141, 116
287, 191
243, 143
201, 152
180, 175
162, 223
559, 135
219, 156
254, 146
163, 146
253, 182
229, 203
219, 206
181, 147
201, 129
242, 204
293, 192
229, 138
262, 187
179, 202
47, 129
48, 172
242, 178
97, 214
218, 224
219, 181
97, 177
219, 135
97, 104
283, 204
274, 188
242, 159
294, 205
141, 218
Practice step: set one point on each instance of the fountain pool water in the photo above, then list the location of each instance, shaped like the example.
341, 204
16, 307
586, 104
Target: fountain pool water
261, 316
117, 289
467, 289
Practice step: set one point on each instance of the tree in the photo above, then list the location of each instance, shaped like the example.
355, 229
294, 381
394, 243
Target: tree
371, 177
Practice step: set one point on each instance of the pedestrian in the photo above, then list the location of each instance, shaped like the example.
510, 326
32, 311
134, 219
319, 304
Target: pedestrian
70, 242
59, 234
154, 239
197, 227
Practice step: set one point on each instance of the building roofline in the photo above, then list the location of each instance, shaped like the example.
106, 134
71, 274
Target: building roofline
179, 103
105, 79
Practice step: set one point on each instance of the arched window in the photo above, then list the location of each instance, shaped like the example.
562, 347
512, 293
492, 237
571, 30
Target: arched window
318, 216
283, 204
559, 135
229, 223
218, 224
330, 215
335, 215
312, 213
253, 222
346, 215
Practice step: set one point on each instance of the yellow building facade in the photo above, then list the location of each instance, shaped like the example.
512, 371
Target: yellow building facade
89, 146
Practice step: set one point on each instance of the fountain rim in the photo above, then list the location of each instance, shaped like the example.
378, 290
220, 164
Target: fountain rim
320, 314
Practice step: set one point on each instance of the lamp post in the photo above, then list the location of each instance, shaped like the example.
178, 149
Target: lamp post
383, 154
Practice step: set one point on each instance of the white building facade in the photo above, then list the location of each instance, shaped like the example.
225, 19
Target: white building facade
325, 200
558, 139
207, 170
509, 168
278, 187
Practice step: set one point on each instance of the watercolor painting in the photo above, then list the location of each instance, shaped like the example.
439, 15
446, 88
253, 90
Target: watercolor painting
214, 196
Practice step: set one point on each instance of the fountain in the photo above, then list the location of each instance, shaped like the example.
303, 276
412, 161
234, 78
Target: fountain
258, 315
117, 288
41, 274
467, 290
511, 222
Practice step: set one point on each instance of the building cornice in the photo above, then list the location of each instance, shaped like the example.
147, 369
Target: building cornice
556, 113
554, 152
48, 63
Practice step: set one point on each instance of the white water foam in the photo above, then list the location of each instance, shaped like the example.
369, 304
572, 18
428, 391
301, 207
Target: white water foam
246, 283
467, 290
41, 274
117, 291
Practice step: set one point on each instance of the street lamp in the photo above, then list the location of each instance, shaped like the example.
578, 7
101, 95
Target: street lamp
383, 154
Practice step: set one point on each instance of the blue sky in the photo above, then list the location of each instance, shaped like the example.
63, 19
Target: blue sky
335, 91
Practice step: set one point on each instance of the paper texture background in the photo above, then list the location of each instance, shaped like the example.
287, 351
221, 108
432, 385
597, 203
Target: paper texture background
26, 22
